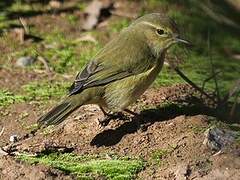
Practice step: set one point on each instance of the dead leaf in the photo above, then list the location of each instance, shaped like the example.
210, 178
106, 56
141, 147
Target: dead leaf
95, 12
55, 4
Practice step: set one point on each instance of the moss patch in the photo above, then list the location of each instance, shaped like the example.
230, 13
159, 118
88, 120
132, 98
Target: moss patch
158, 155
7, 98
90, 166
45, 90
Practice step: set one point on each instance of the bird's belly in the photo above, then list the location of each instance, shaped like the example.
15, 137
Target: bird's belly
122, 93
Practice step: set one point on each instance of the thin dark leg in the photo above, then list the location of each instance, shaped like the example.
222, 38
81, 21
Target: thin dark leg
105, 121
109, 116
104, 112
131, 112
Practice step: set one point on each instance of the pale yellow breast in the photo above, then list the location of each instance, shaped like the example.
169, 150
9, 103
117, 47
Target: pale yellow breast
122, 93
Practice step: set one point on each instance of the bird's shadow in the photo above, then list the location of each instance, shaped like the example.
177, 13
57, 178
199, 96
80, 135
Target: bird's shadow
145, 119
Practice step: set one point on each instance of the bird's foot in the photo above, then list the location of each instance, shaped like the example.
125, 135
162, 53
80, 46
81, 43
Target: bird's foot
103, 122
106, 120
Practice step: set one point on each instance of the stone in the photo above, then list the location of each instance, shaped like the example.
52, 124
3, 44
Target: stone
25, 61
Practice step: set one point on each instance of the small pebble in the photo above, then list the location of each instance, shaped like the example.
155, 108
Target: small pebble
217, 139
13, 138
25, 61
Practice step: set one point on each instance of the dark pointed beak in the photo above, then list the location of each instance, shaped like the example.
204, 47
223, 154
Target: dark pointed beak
180, 40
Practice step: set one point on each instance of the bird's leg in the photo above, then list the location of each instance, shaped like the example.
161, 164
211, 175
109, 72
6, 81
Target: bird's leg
104, 112
131, 112
108, 117
105, 121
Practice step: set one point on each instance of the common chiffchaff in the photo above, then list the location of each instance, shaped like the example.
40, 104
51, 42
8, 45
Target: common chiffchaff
122, 70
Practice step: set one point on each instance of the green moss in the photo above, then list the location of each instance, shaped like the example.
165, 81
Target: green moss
167, 77
38, 91
64, 59
234, 127
68, 60
3, 23
117, 26
32, 127
6, 23
89, 166
158, 155
68, 55
19, 6
7, 98
152, 4
72, 19
199, 129
44, 90
81, 5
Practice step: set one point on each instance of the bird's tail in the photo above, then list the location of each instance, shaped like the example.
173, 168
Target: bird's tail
59, 113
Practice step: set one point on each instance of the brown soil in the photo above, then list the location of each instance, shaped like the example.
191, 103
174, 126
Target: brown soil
12, 169
139, 136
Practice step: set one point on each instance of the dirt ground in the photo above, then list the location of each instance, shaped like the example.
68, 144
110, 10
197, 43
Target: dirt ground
177, 129
162, 128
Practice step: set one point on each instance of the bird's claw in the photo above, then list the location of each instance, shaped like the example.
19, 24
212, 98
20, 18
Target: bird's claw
106, 120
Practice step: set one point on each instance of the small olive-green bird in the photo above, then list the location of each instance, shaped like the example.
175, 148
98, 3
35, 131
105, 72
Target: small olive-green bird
122, 70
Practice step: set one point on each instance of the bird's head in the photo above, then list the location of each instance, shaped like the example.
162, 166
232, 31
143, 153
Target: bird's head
158, 31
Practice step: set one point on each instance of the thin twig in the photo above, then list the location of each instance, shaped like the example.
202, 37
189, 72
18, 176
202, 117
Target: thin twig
209, 78
2, 131
194, 85
208, 9
213, 70
24, 24
44, 61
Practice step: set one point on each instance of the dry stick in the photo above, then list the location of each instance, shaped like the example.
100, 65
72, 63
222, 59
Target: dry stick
208, 79
208, 9
2, 131
44, 61
213, 70
24, 24
193, 85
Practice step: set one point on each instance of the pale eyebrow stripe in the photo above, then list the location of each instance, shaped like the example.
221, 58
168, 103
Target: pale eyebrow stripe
152, 25
148, 23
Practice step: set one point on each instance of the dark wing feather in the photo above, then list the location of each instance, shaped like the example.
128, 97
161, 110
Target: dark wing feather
96, 75
83, 76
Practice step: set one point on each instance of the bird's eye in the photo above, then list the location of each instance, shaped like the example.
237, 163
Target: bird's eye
160, 31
